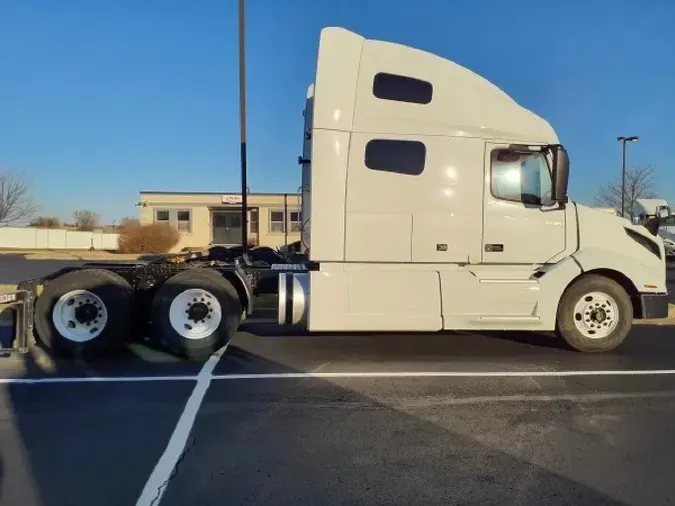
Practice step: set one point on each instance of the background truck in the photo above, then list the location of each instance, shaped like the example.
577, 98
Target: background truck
655, 214
431, 201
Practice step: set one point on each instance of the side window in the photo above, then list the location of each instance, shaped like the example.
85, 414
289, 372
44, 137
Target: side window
520, 177
400, 157
537, 186
402, 88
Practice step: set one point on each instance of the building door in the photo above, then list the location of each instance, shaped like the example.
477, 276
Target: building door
226, 227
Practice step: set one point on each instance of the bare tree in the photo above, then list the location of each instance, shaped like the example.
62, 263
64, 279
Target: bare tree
86, 220
46, 222
16, 201
640, 183
128, 221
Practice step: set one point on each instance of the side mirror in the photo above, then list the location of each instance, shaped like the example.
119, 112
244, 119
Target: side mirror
561, 173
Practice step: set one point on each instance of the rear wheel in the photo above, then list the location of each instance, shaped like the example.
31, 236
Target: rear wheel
195, 312
84, 313
595, 314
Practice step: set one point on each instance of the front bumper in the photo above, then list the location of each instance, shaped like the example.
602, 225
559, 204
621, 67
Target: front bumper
653, 305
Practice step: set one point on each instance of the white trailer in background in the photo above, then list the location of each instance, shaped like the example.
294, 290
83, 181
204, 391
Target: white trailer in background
431, 200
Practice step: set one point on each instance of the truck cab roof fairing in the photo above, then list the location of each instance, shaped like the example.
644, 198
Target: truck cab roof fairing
463, 102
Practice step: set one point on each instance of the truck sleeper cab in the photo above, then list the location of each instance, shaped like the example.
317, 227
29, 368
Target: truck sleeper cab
431, 200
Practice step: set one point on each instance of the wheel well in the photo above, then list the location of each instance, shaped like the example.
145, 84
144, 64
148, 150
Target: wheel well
240, 286
625, 283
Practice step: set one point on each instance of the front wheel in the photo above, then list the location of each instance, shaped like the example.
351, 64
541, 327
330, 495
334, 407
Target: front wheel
595, 314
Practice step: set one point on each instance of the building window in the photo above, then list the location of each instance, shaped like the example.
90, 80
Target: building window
162, 215
294, 221
402, 88
180, 219
520, 177
183, 222
400, 157
276, 221
253, 221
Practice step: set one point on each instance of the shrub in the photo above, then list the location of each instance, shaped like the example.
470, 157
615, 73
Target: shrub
154, 238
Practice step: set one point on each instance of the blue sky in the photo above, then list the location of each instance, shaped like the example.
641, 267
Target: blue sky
100, 99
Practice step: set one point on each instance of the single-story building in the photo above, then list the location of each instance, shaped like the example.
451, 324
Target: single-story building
209, 218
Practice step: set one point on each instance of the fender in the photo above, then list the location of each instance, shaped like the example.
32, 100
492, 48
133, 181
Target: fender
241, 283
645, 276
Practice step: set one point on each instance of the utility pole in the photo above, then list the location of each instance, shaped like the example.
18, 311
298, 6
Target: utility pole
623, 141
242, 124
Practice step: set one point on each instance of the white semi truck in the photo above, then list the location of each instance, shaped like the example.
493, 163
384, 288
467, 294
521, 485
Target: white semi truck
431, 201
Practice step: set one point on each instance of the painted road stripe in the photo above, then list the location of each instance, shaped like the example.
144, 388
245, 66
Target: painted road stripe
94, 379
445, 374
347, 375
159, 479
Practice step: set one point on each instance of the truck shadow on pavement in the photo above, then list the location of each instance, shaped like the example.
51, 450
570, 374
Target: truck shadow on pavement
651, 337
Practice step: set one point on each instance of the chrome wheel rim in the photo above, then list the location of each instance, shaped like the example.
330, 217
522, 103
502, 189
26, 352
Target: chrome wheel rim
195, 313
596, 315
79, 316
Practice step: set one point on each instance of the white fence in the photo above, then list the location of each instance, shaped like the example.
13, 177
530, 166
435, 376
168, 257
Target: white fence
54, 238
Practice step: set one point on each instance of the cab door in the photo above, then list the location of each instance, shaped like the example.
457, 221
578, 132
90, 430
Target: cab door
520, 224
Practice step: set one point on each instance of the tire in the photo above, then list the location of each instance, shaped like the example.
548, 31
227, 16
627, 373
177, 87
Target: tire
214, 302
107, 302
595, 314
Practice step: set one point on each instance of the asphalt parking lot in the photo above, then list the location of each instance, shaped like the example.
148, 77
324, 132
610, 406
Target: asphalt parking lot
405, 419
458, 418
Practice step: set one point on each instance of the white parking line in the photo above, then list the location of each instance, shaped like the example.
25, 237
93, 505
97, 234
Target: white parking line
93, 379
354, 374
156, 485
445, 374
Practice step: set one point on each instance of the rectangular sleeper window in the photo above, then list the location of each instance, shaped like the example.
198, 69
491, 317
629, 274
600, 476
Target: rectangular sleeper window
402, 88
397, 156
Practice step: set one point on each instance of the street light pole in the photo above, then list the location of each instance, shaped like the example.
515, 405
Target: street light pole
242, 125
623, 140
